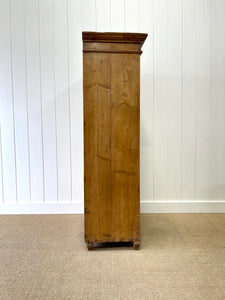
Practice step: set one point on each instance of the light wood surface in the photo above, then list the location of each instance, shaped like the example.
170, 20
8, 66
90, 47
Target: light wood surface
111, 82
97, 147
125, 110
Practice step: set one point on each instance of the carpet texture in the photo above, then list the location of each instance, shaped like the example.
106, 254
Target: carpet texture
182, 256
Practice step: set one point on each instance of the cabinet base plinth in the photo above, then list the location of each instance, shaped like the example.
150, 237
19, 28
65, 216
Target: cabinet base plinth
90, 246
136, 245
96, 245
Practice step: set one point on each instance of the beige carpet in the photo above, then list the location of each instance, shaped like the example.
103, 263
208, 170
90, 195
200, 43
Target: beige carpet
182, 256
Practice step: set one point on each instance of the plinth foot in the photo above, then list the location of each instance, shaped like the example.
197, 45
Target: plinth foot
90, 246
136, 245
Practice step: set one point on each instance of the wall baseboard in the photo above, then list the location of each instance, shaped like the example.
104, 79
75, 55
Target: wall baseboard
146, 207
183, 207
41, 208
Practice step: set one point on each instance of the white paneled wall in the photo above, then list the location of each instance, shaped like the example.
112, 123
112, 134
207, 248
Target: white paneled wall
182, 101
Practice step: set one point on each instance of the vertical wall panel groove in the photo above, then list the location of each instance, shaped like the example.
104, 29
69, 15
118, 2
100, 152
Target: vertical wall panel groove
48, 100
153, 104
69, 94
34, 101
41, 99
117, 15
203, 100
161, 100
13, 97
174, 30
1, 170
167, 105
54, 95
181, 98
27, 115
89, 22
20, 100
210, 99
110, 21
131, 10
217, 139
189, 100
76, 105
103, 15
124, 16
6, 107
147, 106
62, 101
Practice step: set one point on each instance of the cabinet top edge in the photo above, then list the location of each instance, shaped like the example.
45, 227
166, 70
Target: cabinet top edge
114, 37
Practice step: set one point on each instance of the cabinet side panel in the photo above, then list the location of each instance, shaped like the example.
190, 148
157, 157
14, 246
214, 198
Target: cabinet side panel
125, 115
96, 83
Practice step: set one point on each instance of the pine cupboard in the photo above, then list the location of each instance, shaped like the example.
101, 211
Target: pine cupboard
111, 103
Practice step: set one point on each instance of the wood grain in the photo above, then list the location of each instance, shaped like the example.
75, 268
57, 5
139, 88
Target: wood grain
125, 80
111, 139
116, 37
97, 147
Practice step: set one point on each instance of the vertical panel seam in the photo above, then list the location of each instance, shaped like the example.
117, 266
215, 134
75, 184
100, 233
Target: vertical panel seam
81, 14
153, 105
69, 96
56, 139
96, 15
210, 105
40, 71
1, 164
124, 14
181, 117
196, 99
167, 121
196, 96
13, 97
139, 4
28, 132
110, 24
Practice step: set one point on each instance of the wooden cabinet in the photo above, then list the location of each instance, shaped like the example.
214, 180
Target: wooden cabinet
111, 87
